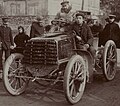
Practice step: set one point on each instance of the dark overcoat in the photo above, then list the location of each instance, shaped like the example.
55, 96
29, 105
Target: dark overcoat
110, 32
6, 37
36, 30
85, 33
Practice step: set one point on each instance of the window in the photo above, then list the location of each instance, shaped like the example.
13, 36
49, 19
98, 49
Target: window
33, 9
15, 9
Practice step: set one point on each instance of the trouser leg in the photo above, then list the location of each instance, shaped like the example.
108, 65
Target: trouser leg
92, 51
1, 59
7, 54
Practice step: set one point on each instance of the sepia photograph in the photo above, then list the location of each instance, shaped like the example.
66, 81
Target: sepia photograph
59, 52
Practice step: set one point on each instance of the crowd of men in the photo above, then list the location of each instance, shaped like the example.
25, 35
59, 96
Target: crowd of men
65, 22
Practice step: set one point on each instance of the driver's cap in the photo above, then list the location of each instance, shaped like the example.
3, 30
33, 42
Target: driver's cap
62, 20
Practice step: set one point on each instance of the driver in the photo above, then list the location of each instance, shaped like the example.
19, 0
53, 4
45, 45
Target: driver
60, 25
84, 37
64, 26
54, 26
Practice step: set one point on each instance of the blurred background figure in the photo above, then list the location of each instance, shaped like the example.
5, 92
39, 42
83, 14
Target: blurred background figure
118, 21
64, 26
6, 41
54, 25
111, 31
107, 20
96, 27
20, 39
37, 28
0, 55
89, 22
6, 38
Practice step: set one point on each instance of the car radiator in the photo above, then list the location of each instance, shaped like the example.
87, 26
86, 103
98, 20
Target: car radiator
42, 52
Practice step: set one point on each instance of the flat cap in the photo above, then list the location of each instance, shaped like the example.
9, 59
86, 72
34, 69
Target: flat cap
65, 1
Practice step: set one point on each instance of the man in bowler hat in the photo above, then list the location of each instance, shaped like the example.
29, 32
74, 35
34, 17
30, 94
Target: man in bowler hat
6, 39
111, 31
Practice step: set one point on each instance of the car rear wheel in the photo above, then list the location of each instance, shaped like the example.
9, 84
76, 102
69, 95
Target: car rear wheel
109, 60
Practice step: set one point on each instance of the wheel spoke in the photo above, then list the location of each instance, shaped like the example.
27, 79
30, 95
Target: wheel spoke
76, 66
80, 71
11, 67
109, 52
80, 74
108, 69
107, 63
71, 82
81, 88
113, 56
74, 91
19, 83
23, 80
12, 81
108, 66
79, 67
72, 88
111, 49
16, 84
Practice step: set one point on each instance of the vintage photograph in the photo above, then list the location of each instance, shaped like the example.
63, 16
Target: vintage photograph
59, 52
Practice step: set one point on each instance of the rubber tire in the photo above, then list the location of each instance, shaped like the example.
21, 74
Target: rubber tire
5, 75
107, 45
67, 76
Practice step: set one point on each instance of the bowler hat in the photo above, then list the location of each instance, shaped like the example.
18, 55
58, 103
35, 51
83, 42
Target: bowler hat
80, 14
5, 19
112, 16
65, 1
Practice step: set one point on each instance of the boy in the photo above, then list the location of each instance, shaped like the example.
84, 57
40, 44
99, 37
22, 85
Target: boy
84, 37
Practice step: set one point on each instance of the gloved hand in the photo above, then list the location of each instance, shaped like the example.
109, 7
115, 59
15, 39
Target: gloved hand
0, 45
87, 46
79, 38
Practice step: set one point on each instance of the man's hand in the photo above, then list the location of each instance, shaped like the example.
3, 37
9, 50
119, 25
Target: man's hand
0, 45
79, 38
87, 46
12, 47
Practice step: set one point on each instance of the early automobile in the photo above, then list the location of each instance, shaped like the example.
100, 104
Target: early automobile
55, 58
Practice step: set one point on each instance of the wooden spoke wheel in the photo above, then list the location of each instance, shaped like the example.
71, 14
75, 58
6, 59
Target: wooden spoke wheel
109, 60
74, 79
14, 83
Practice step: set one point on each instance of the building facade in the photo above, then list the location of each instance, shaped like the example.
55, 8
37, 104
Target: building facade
92, 6
24, 7
45, 7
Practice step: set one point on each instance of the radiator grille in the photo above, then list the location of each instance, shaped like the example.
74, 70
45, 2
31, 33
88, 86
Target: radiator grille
41, 52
